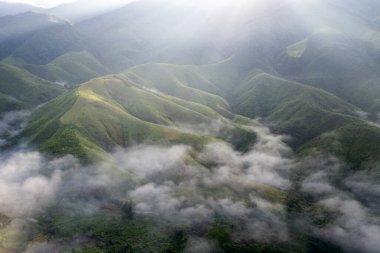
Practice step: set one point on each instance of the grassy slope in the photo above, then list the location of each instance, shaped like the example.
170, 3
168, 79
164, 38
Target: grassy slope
185, 82
8, 103
20, 88
340, 63
304, 112
17, 29
314, 118
109, 111
358, 142
47, 44
70, 68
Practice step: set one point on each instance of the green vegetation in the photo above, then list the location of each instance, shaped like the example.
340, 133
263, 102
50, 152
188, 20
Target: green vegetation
292, 108
338, 62
356, 142
187, 83
21, 89
314, 118
8, 103
154, 73
47, 44
70, 68
113, 232
109, 112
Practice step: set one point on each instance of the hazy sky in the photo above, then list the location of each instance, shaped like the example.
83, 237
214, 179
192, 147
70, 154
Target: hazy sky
51, 3
42, 3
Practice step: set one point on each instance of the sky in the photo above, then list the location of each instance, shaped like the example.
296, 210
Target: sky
40, 3
52, 3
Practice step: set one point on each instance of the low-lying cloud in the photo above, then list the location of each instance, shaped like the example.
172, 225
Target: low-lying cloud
189, 190
11, 123
24, 190
172, 184
352, 198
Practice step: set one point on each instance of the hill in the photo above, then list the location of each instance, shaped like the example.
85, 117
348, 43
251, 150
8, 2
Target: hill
17, 29
304, 112
109, 111
338, 63
315, 119
20, 89
48, 47
47, 44
69, 69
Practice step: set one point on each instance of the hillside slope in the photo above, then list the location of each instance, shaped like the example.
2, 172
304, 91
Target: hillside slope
69, 69
18, 29
109, 111
24, 90
48, 47
315, 119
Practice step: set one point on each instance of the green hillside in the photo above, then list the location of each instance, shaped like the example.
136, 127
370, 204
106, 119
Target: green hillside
337, 62
312, 117
109, 112
8, 103
133, 108
48, 47
18, 29
358, 142
22, 89
70, 68
47, 44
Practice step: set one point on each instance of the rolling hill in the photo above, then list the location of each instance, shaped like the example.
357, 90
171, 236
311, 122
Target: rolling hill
20, 89
338, 63
69, 69
110, 111
18, 29
315, 119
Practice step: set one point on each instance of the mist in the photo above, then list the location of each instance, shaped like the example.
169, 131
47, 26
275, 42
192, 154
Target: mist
181, 189
172, 185
11, 123
355, 223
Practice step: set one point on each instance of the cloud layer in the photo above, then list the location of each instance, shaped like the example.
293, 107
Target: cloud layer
185, 189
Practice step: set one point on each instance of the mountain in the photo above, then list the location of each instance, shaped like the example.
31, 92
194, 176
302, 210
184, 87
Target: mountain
152, 37
19, 28
85, 9
351, 64
7, 9
20, 89
75, 122
322, 53
299, 110
47, 44
48, 47
314, 118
